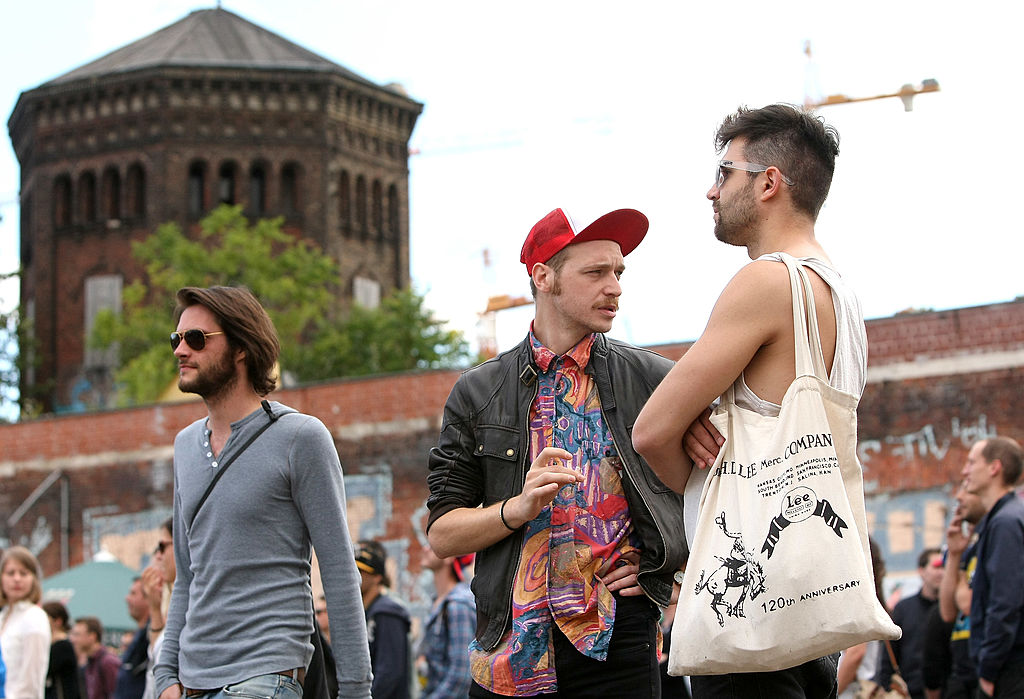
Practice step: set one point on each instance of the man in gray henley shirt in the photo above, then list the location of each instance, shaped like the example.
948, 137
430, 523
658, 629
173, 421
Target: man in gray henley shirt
240, 617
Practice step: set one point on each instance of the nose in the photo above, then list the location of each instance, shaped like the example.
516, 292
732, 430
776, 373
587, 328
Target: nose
614, 288
713, 193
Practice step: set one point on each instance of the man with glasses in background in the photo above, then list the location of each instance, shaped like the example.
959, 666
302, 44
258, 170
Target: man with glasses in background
241, 616
766, 195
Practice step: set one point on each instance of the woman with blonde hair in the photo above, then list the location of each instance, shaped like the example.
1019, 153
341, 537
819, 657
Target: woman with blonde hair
24, 628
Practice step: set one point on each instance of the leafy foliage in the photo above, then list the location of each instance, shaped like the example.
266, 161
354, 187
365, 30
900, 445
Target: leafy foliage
294, 281
18, 354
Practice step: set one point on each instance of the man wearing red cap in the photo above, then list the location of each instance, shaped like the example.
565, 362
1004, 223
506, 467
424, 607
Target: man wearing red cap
534, 469
448, 630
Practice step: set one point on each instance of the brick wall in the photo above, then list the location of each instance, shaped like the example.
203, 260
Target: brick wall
916, 424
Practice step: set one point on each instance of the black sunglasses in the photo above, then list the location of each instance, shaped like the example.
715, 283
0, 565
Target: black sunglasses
194, 338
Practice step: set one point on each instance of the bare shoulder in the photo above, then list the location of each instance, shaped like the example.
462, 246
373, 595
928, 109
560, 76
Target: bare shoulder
760, 288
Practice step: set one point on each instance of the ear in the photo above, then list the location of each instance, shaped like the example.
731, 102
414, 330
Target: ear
543, 277
995, 468
772, 183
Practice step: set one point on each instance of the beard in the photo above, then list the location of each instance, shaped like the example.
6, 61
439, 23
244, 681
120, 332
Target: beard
737, 219
212, 380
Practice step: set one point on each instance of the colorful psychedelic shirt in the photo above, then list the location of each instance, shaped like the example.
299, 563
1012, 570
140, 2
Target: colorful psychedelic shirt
587, 526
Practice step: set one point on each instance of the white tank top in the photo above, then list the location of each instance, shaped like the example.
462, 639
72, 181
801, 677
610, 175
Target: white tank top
850, 366
848, 374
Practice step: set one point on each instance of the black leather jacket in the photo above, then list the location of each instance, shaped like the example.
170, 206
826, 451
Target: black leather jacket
482, 458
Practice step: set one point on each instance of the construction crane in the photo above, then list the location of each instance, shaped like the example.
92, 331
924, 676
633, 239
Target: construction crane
905, 93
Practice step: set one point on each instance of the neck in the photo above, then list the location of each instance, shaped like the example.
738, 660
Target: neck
370, 596
443, 583
793, 235
994, 495
230, 407
554, 332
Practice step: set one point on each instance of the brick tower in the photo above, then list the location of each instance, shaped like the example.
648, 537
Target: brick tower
207, 110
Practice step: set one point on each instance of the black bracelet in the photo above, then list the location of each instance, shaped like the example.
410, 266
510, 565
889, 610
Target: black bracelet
501, 513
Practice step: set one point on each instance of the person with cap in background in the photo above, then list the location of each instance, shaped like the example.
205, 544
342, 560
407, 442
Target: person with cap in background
449, 628
534, 469
387, 625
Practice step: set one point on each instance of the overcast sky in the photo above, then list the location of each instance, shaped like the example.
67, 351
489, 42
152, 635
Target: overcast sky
592, 106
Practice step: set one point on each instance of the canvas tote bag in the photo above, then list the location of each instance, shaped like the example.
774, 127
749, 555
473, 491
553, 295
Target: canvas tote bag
779, 570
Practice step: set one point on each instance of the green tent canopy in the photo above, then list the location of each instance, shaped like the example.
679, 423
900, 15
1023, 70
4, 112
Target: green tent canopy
96, 588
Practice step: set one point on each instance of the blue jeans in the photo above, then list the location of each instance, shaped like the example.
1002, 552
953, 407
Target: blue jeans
259, 687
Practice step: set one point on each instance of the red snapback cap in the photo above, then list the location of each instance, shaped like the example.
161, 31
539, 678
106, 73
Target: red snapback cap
551, 234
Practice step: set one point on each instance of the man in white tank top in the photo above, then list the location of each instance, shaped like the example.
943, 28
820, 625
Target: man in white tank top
766, 196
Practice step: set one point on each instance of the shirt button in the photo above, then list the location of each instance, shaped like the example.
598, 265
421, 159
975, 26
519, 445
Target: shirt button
215, 463
209, 454
479, 447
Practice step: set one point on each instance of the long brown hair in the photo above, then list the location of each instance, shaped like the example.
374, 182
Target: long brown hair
20, 554
246, 326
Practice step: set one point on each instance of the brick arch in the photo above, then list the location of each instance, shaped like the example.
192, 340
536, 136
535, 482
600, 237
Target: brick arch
197, 175
86, 197
135, 184
62, 200
110, 193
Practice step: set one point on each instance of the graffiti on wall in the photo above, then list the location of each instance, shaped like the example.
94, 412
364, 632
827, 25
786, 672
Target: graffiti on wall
923, 443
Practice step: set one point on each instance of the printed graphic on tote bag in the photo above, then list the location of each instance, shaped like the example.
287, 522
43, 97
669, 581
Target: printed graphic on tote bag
739, 575
797, 505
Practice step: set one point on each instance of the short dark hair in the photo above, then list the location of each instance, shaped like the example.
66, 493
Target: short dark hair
926, 555
556, 263
370, 550
1008, 452
168, 525
246, 326
58, 612
92, 624
797, 142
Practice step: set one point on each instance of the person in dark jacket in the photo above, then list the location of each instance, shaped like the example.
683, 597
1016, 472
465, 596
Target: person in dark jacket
534, 469
131, 678
992, 470
911, 615
387, 625
64, 679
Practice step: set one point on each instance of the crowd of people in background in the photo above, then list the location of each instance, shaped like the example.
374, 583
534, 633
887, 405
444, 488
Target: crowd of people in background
49, 655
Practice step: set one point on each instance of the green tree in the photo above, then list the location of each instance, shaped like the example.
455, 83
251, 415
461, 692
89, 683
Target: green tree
295, 282
18, 354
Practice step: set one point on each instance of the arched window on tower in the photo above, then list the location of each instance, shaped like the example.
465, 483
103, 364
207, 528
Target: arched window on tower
361, 206
377, 212
87, 197
345, 202
392, 233
290, 189
62, 201
110, 188
136, 182
196, 189
258, 189
227, 183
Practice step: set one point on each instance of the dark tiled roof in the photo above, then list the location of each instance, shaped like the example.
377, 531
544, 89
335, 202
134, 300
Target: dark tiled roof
208, 38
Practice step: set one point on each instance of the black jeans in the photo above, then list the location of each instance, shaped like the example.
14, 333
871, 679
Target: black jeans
812, 680
629, 672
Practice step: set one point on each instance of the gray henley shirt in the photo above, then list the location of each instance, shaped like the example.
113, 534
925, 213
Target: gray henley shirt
241, 603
